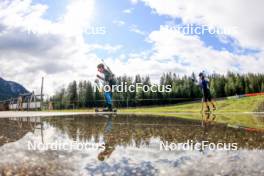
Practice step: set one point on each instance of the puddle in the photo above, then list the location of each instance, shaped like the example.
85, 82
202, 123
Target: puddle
127, 145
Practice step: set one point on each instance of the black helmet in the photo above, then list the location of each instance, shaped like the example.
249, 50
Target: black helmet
201, 74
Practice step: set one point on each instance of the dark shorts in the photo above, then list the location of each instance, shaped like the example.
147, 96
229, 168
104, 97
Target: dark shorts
207, 96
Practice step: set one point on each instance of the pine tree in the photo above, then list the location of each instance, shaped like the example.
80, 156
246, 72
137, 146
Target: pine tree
89, 97
72, 94
262, 87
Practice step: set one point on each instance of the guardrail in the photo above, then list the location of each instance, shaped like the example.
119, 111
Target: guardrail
246, 95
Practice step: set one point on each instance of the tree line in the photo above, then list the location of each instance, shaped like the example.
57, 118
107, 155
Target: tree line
82, 95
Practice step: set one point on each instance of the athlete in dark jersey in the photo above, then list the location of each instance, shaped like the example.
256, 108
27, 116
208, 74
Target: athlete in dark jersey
204, 85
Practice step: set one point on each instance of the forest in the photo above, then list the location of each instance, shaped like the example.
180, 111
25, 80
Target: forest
82, 95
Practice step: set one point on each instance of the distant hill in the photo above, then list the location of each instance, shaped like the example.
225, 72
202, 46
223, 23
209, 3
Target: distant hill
10, 89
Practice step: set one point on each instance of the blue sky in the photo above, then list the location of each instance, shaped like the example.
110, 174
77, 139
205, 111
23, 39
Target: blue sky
134, 42
55, 8
146, 20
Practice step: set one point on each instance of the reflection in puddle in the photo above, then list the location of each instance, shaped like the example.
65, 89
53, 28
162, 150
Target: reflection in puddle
131, 145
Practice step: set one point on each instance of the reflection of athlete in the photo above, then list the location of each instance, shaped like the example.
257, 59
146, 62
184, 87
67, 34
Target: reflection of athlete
208, 119
207, 97
109, 141
108, 79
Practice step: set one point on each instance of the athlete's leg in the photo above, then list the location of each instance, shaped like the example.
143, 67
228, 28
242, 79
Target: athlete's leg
207, 106
108, 99
110, 102
211, 101
206, 96
213, 104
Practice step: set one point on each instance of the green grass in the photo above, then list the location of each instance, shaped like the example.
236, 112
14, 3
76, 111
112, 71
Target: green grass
239, 120
231, 112
246, 104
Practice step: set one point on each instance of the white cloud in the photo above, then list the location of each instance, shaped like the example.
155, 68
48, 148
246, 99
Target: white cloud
78, 16
193, 56
119, 22
142, 64
243, 14
128, 11
134, 1
32, 47
134, 28
106, 47
29, 17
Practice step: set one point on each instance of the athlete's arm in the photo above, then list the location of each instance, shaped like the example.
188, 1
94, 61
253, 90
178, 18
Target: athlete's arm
98, 76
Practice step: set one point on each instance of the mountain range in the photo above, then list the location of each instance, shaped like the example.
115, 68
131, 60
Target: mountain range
9, 89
